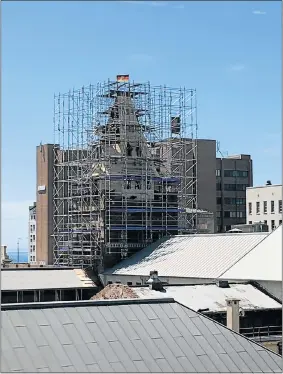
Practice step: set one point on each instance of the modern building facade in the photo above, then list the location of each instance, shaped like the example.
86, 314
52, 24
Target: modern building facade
234, 174
32, 233
264, 204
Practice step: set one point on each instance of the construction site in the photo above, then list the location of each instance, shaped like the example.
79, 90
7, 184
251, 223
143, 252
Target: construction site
125, 170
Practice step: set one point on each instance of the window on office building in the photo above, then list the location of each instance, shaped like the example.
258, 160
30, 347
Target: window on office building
218, 214
265, 207
280, 222
257, 207
240, 214
218, 186
272, 224
280, 206
235, 173
250, 208
272, 206
218, 173
218, 200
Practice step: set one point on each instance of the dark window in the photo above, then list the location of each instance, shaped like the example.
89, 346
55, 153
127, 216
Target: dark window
280, 222
257, 207
227, 214
272, 206
138, 185
234, 201
218, 186
218, 200
272, 224
230, 187
279, 206
138, 151
235, 173
129, 149
234, 187
250, 222
265, 207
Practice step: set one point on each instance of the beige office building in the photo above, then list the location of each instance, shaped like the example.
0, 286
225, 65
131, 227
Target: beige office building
264, 204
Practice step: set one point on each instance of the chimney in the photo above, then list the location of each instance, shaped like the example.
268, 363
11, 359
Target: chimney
154, 282
233, 314
268, 183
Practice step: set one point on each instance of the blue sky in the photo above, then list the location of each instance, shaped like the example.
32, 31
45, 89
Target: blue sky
229, 51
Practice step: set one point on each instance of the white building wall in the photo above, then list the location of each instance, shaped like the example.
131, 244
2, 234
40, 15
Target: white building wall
264, 204
32, 234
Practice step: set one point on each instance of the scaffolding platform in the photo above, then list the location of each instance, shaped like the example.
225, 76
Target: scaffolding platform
125, 172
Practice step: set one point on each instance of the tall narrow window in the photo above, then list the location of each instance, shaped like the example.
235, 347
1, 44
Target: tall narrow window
272, 206
129, 150
250, 208
257, 207
279, 206
265, 207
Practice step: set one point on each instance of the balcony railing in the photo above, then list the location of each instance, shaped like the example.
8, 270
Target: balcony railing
261, 332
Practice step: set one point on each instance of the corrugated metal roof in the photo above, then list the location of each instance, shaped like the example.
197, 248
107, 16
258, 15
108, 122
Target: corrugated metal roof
192, 256
264, 262
213, 297
126, 337
22, 279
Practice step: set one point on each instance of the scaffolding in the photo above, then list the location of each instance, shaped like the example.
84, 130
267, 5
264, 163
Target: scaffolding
125, 170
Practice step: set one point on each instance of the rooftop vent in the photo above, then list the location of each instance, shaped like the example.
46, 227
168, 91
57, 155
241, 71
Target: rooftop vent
268, 183
154, 282
223, 284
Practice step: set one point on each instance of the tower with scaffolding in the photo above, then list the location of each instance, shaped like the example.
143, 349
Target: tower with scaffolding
124, 172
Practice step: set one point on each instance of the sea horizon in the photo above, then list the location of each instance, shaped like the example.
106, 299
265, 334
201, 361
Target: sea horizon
13, 255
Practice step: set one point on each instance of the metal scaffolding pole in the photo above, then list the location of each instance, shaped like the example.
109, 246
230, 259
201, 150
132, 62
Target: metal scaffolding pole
125, 172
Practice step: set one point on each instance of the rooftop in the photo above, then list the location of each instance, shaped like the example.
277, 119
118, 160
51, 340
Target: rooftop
125, 336
264, 262
46, 278
212, 297
190, 256
264, 186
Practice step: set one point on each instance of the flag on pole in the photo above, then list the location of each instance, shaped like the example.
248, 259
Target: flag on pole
123, 78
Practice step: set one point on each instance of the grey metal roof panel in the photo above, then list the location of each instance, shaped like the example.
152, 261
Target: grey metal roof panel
152, 336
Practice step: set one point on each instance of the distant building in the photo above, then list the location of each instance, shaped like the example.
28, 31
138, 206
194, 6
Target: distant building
250, 227
204, 221
4, 256
234, 174
32, 234
264, 204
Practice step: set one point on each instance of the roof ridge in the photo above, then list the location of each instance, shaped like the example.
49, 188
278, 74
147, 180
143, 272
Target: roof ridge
265, 237
83, 303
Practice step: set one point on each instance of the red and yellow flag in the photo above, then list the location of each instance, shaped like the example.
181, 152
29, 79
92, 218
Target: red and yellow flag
123, 78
